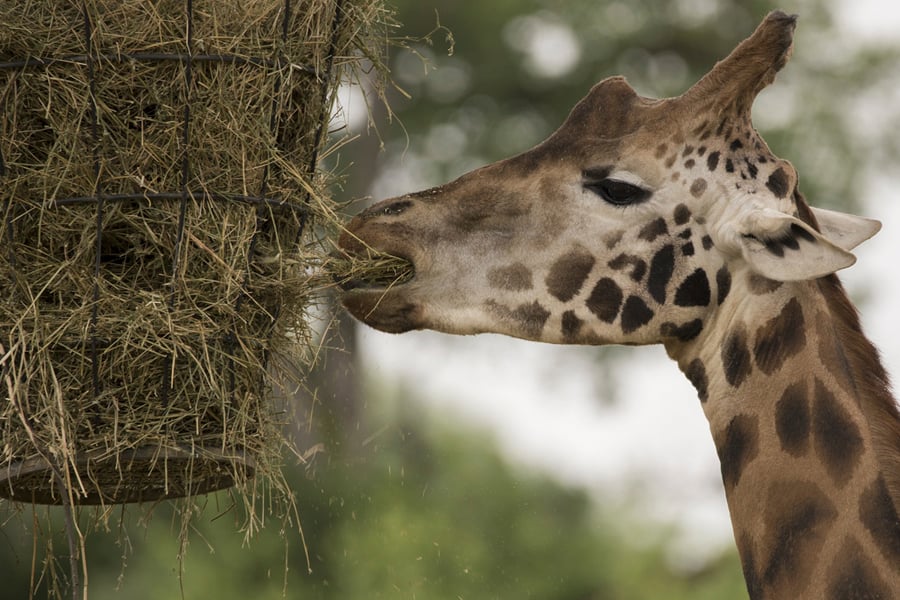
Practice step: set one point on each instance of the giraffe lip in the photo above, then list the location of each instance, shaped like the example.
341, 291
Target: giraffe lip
375, 274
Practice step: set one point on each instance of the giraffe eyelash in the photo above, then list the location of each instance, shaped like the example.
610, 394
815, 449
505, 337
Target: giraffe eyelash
617, 192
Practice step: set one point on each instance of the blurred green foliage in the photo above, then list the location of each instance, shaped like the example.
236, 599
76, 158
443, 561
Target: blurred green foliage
429, 513
518, 66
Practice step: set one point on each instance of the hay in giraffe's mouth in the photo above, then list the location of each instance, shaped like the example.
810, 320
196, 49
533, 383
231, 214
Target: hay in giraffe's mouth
371, 272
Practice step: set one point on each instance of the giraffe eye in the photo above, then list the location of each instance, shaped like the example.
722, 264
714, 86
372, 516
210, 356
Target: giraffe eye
616, 192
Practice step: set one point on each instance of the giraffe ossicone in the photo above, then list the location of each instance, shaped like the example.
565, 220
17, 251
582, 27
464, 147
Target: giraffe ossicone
643, 221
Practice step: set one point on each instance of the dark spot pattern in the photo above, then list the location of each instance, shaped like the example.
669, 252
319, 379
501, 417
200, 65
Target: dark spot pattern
686, 234
598, 173
661, 150
735, 145
800, 233
571, 324
752, 170
729, 165
605, 300
837, 438
569, 273
780, 338
721, 128
529, 317
635, 314
748, 565
688, 249
790, 240
854, 577
698, 187
682, 214
792, 419
694, 290
778, 183
661, 268
774, 247
760, 285
736, 358
831, 352
636, 263
515, 277
696, 374
653, 230
879, 516
737, 448
723, 283
707, 242
712, 161
613, 239
684, 332
797, 518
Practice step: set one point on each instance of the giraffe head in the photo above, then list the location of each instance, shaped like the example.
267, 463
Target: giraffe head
625, 226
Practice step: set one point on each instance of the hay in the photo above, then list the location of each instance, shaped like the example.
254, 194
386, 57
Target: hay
158, 179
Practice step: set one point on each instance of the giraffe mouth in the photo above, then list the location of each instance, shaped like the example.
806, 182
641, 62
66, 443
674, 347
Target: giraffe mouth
373, 273
375, 295
376, 271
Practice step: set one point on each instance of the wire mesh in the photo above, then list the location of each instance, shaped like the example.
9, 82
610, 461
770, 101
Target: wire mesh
201, 336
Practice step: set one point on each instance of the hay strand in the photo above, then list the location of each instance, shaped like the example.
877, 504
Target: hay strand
161, 214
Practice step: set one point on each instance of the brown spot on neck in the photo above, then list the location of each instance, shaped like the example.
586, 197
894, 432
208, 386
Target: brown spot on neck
866, 374
780, 338
854, 576
737, 446
797, 518
838, 441
736, 357
792, 419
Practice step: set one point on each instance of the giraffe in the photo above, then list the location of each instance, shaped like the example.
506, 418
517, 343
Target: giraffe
643, 221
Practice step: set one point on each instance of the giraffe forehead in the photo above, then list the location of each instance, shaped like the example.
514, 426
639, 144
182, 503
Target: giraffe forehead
729, 152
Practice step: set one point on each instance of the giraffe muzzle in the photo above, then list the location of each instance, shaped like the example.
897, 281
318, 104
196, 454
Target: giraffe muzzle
381, 269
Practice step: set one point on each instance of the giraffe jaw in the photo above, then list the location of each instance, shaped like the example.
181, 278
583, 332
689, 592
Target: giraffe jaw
384, 309
376, 295
378, 299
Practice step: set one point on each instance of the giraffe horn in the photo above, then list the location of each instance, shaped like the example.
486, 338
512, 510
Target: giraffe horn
736, 80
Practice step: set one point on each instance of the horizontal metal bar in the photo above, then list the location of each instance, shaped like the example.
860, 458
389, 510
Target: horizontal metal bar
36, 61
217, 197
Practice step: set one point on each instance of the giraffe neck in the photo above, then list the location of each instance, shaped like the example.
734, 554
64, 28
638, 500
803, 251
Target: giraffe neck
808, 437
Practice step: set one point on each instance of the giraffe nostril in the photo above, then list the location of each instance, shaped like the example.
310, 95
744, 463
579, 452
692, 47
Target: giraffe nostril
395, 208
386, 208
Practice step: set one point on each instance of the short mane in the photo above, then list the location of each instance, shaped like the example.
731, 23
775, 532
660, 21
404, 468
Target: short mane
866, 371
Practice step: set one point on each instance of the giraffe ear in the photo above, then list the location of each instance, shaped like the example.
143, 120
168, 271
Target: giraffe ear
846, 231
781, 247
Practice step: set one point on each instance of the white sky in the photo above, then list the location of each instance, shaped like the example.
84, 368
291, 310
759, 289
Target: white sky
652, 451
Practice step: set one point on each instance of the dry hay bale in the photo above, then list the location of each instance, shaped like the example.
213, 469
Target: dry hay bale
158, 178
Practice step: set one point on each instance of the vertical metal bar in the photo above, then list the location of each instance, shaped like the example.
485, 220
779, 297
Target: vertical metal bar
9, 208
336, 23
98, 198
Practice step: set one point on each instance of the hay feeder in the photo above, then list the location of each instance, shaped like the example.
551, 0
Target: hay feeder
158, 172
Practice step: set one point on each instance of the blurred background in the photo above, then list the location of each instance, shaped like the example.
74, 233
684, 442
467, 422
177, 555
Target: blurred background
485, 467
